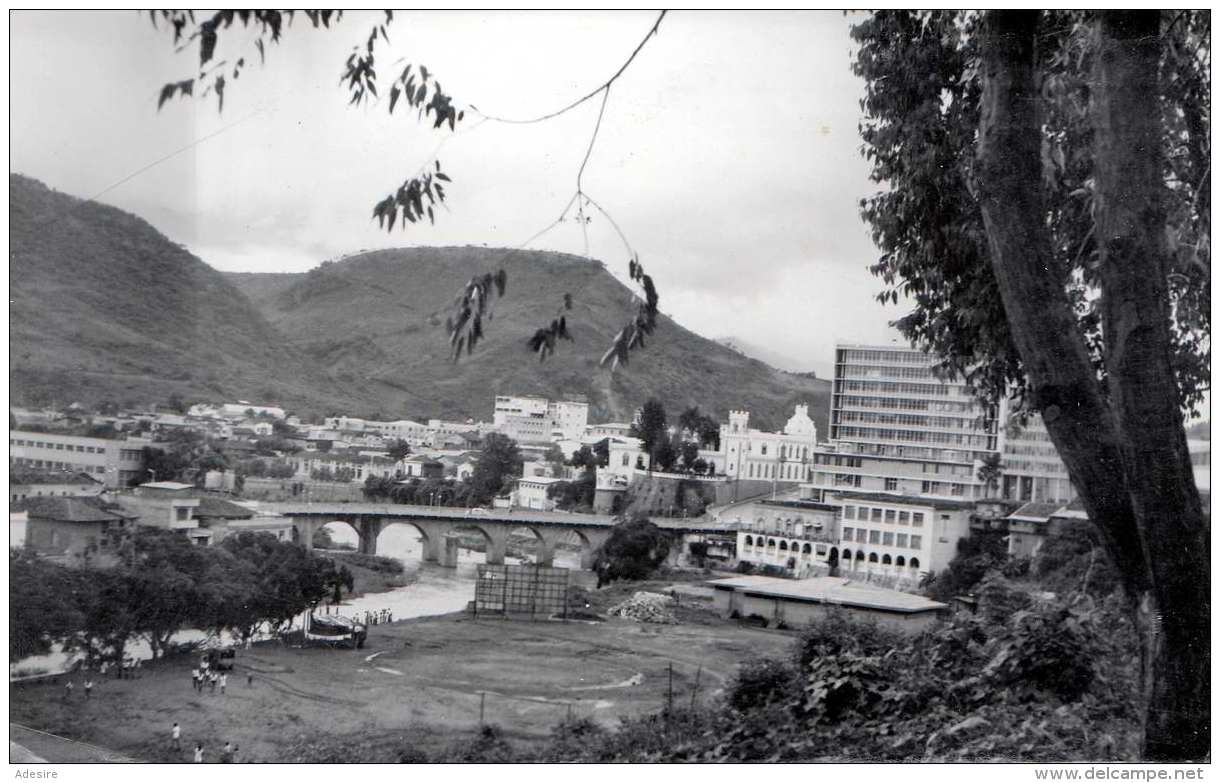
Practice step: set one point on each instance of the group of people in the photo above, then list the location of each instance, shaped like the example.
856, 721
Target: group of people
69, 688
378, 617
228, 754
205, 676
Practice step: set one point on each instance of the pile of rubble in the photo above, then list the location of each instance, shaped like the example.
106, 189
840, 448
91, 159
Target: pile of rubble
646, 608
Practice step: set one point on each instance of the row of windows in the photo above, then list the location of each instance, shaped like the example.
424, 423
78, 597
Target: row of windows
56, 465
908, 373
899, 561
887, 434
839, 461
56, 446
881, 537
888, 515
896, 357
783, 546
883, 388
913, 420
791, 472
912, 452
905, 404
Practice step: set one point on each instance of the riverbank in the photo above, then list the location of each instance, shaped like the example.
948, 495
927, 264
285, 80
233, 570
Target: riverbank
418, 685
370, 574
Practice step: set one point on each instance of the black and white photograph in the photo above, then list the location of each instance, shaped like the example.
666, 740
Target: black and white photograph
823, 388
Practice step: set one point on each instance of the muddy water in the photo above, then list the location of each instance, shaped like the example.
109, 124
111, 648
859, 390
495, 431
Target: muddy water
432, 590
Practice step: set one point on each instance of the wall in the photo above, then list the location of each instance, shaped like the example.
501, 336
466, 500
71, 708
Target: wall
800, 613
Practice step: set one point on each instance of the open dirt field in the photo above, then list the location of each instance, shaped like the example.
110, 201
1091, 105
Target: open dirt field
418, 683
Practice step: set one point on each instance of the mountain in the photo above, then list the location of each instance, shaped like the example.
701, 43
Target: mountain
376, 321
102, 306
776, 359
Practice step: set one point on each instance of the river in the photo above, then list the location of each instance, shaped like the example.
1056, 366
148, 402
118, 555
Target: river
432, 590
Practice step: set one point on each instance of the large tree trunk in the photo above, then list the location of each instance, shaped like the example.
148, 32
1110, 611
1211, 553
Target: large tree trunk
1148, 523
1130, 229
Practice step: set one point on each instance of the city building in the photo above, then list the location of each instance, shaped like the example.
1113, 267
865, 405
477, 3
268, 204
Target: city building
609, 429
796, 535
169, 505
531, 492
899, 536
72, 528
896, 427
117, 463
46, 483
796, 603
784, 456
1031, 470
528, 419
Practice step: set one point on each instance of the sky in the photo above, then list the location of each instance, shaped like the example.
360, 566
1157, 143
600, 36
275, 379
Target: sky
728, 153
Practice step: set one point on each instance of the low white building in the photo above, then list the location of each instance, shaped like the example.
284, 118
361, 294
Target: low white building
796, 535
531, 492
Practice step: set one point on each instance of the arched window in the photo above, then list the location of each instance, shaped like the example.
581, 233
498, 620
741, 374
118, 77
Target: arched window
764, 449
833, 555
751, 470
872, 557
846, 554
886, 560
749, 541
783, 546
901, 561
806, 550
914, 562
860, 555
770, 543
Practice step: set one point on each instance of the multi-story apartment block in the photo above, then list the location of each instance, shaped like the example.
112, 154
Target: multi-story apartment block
537, 420
117, 463
747, 453
897, 535
568, 419
896, 427
1031, 470
794, 535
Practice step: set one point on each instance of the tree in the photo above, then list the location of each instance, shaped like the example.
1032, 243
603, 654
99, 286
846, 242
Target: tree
690, 455
398, 449
43, 607
498, 462
990, 472
1052, 228
554, 456
164, 572
632, 552
651, 426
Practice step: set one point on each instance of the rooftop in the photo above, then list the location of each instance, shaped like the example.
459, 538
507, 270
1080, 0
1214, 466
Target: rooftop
222, 509
67, 509
945, 504
831, 590
172, 486
1036, 511
31, 477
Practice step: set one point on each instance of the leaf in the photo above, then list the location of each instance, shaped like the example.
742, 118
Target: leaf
443, 177
207, 41
220, 93
167, 92
394, 93
262, 57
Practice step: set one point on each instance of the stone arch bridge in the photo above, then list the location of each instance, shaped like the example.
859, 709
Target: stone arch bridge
435, 522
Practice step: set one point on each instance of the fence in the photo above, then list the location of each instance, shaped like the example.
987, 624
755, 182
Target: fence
521, 589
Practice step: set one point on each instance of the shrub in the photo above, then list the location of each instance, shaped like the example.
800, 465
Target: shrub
837, 632
761, 681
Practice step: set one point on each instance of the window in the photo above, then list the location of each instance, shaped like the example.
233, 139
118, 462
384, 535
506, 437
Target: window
914, 562
861, 535
764, 449
917, 519
901, 541
847, 531
874, 536
626, 459
872, 557
59, 447
885, 559
904, 517
876, 515
891, 485
916, 542
890, 514
900, 561
182, 513
887, 538
849, 512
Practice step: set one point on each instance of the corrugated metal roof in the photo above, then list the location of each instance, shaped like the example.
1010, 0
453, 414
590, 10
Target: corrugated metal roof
832, 590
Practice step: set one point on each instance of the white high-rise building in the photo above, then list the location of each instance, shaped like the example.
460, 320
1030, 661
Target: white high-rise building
896, 427
528, 419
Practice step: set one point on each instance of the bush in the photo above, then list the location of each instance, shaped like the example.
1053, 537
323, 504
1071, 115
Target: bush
761, 681
837, 633
633, 552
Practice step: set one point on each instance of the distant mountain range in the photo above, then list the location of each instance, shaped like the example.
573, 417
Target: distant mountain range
105, 307
776, 359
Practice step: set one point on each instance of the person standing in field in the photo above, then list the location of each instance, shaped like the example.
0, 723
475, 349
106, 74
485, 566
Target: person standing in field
176, 734
68, 691
226, 755
88, 688
199, 753
224, 680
